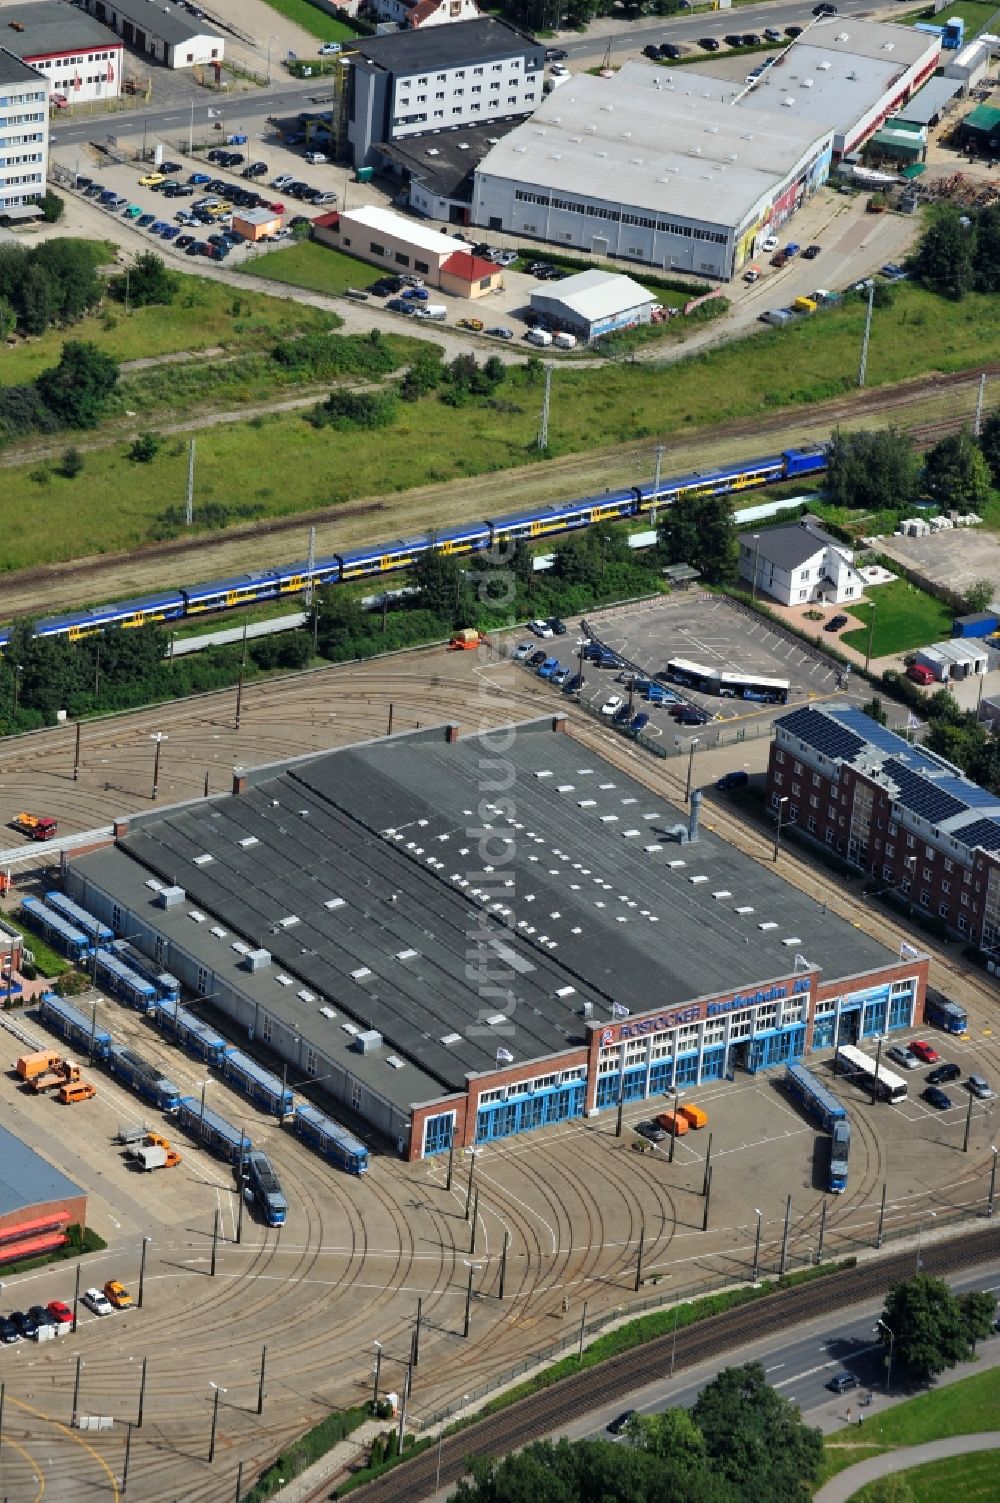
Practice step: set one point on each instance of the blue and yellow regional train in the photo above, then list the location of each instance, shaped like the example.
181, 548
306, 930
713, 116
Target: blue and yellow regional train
474, 537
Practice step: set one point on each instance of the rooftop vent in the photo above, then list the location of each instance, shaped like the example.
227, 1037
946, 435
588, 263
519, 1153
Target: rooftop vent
202, 860
368, 1042
170, 897
256, 960
248, 841
433, 151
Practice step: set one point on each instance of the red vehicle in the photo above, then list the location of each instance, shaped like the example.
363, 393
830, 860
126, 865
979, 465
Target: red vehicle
924, 1051
61, 1313
919, 674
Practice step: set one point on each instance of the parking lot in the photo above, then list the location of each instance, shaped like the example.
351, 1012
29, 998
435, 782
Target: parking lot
711, 631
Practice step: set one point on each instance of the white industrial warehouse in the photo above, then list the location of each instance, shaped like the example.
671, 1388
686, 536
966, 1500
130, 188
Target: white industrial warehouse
677, 169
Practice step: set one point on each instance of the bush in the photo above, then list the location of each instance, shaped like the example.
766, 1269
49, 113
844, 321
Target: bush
144, 448
355, 409
71, 464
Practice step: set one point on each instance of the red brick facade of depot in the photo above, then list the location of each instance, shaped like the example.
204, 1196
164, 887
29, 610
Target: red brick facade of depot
40, 1228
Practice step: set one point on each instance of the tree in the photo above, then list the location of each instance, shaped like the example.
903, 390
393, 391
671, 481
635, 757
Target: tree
956, 474
444, 588
71, 464
52, 207
144, 449
701, 531
672, 1435
989, 442
927, 1325
755, 1439
39, 299
987, 251
871, 471
340, 620
875, 711
979, 595
944, 258
77, 389
977, 1310
72, 266
8, 318
147, 282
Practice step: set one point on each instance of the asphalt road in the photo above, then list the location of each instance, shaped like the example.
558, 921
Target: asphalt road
801, 1364
689, 28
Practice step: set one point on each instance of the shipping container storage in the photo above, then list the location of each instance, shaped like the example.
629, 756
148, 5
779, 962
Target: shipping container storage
145, 1079
211, 1129
263, 1088
122, 982
331, 1140
63, 1018
79, 917
198, 1038
58, 931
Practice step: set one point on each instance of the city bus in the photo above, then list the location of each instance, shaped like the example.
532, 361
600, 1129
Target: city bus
861, 1068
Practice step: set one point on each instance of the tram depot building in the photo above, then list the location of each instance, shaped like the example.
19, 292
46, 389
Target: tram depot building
463, 938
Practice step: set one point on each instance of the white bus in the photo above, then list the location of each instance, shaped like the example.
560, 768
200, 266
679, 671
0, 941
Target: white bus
861, 1068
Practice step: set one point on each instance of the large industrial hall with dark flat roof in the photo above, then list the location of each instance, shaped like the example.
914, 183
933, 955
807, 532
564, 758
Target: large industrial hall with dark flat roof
462, 938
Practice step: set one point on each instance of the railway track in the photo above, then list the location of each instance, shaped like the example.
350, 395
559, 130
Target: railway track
48, 589
614, 1380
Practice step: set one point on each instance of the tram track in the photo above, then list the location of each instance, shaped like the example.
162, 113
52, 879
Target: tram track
614, 1380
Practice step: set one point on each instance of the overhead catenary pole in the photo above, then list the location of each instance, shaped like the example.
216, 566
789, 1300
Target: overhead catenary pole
506, 1247
708, 1167
451, 1165
881, 1217
239, 1191
311, 565
378, 1373
708, 1200
583, 1327
128, 1453
543, 426
638, 1261
76, 1294
977, 426
76, 754
189, 504
468, 1305
468, 1193
968, 1124
142, 1271
1, 1415
260, 1384
475, 1223
822, 1233
784, 1236
993, 1182
215, 1242
660, 450
142, 1395
416, 1332
755, 1275
76, 1393
863, 367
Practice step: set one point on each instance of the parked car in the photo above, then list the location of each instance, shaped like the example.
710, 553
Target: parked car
537, 658
736, 779
980, 1087
330, 49
693, 717
619, 1423
793, 32
97, 1301
901, 1055
555, 54
42, 1317
152, 180
145, 220
769, 244
558, 627
651, 1130
560, 676
171, 167
639, 722
652, 51
548, 667
572, 685
522, 651
824, 9
499, 332
771, 35
835, 623
504, 257
709, 44
8, 1331
400, 305
935, 1097
183, 241
612, 705
924, 1051
60, 1312
25, 1323
541, 628
670, 49
282, 181
920, 674
792, 249
942, 1074
118, 1295
255, 169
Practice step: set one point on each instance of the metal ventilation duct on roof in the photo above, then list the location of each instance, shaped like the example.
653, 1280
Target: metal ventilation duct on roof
256, 960
368, 1042
170, 897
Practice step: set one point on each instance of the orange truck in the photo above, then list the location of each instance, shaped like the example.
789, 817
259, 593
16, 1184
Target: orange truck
466, 640
63, 1072
35, 826
674, 1122
695, 1116
31, 1065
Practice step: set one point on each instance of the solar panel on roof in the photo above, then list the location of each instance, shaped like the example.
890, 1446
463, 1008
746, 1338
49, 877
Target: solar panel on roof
822, 733
981, 832
870, 731
924, 797
971, 794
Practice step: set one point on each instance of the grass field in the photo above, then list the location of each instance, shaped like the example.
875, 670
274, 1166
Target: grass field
292, 467
205, 315
315, 267
905, 617
964, 1408
973, 12
959, 1479
312, 20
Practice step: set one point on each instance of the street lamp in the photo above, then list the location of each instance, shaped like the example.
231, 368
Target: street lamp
871, 633
756, 551
878, 1061
755, 1276
378, 1373
215, 1419
881, 1325
931, 1216
159, 738
777, 832
687, 791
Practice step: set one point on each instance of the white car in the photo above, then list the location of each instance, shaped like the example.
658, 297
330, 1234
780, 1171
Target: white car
522, 650
283, 180
97, 1301
901, 1055
612, 705
558, 70
503, 257
330, 49
769, 244
541, 628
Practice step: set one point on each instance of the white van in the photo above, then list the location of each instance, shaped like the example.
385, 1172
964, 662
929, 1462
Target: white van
564, 341
437, 311
539, 336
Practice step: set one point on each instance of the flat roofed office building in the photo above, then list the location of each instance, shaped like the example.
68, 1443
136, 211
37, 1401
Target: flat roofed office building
440, 78
464, 939
646, 167
24, 124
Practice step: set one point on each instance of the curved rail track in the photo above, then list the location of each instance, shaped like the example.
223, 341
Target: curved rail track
534, 1417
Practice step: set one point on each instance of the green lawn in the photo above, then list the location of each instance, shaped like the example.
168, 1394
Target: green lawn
312, 20
973, 12
316, 267
905, 617
964, 1408
961, 1479
204, 315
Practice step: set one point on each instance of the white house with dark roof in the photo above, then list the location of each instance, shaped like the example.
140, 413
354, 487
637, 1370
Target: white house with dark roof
799, 563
